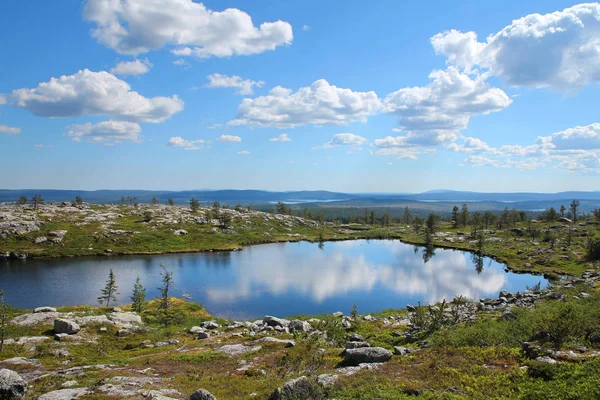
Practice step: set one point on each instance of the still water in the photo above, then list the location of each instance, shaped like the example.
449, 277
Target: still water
278, 279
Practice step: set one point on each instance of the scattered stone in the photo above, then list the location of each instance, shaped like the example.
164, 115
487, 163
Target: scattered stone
299, 326
355, 337
167, 343
69, 384
196, 329
203, 335
237, 349
299, 388
93, 319
180, 232
40, 239
66, 326
12, 386
202, 394
44, 310
126, 319
546, 360
357, 345
402, 351
45, 318
210, 325
274, 321
269, 339
327, 380
65, 394
366, 355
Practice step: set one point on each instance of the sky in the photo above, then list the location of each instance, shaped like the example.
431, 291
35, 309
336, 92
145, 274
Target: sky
348, 96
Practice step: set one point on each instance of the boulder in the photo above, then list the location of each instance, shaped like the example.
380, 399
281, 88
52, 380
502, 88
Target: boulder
65, 326
44, 310
59, 233
210, 325
327, 380
12, 386
366, 355
269, 339
65, 394
180, 232
40, 239
125, 319
274, 321
203, 335
236, 349
202, 394
196, 329
93, 319
338, 314
402, 351
299, 326
355, 337
44, 318
357, 345
565, 220
299, 388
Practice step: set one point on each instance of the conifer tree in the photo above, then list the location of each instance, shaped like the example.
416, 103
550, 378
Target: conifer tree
138, 298
110, 290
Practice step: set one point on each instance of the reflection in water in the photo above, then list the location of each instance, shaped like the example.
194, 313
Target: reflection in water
280, 279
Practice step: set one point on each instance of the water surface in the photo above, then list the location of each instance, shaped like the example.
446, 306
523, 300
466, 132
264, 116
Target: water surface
280, 279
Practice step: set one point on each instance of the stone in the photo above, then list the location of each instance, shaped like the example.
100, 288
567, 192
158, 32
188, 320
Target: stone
93, 319
125, 319
357, 345
355, 337
12, 386
196, 329
65, 394
69, 384
65, 326
299, 326
203, 335
40, 239
44, 310
58, 233
411, 308
299, 388
202, 394
269, 339
402, 351
565, 220
274, 321
546, 360
210, 325
346, 324
180, 232
45, 318
236, 349
338, 314
366, 355
327, 380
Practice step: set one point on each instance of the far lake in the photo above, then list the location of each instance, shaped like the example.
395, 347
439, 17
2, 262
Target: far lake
280, 279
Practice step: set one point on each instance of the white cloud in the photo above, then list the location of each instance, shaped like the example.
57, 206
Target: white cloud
44, 146
178, 141
135, 67
578, 138
402, 153
343, 139
305, 27
434, 114
281, 138
107, 132
243, 86
9, 130
480, 161
88, 93
559, 50
2, 100
229, 138
473, 145
243, 152
138, 26
318, 104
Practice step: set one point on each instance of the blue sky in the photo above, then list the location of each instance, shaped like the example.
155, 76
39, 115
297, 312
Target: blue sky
381, 97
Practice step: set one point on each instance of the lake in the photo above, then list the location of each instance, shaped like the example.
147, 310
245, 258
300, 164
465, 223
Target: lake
279, 279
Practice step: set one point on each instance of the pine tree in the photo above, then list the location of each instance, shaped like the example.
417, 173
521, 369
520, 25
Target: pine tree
22, 201
110, 290
154, 200
171, 202
37, 201
167, 280
138, 298
194, 204
3, 319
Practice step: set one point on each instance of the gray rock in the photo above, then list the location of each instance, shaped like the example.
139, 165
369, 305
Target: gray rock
299, 326
338, 314
65, 394
45, 318
93, 319
546, 360
327, 380
274, 321
44, 310
203, 335
40, 239
402, 351
236, 349
355, 337
210, 325
126, 319
12, 386
202, 394
366, 355
196, 329
59, 233
357, 345
269, 339
66, 326
180, 232
299, 388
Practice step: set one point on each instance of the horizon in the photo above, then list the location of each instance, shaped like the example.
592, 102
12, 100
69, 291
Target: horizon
493, 98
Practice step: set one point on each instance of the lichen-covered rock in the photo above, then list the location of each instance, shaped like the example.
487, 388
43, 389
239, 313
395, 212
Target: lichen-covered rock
12, 386
125, 319
44, 310
43, 318
299, 388
366, 355
65, 394
202, 394
66, 326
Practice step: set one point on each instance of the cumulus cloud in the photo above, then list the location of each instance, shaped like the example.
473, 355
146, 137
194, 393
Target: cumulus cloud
281, 138
9, 130
243, 152
345, 139
559, 50
243, 86
480, 161
229, 138
2, 100
107, 132
44, 146
88, 93
178, 141
318, 104
135, 67
305, 27
187, 27
473, 146
434, 114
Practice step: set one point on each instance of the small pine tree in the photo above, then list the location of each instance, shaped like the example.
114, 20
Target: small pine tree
154, 200
167, 280
22, 201
110, 290
194, 204
3, 319
171, 202
138, 298
78, 199
37, 201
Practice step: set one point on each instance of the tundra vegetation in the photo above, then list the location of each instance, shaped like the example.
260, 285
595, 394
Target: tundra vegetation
537, 344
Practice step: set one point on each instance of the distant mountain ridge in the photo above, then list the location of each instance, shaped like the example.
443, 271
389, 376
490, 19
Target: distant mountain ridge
246, 197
